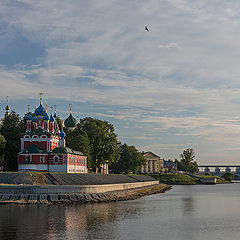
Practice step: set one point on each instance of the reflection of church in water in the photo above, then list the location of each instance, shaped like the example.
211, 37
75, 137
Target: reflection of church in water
43, 144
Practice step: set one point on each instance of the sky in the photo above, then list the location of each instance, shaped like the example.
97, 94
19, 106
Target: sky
174, 87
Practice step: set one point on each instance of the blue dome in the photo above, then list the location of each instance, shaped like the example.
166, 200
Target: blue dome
51, 118
62, 134
29, 117
40, 111
34, 119
45, 117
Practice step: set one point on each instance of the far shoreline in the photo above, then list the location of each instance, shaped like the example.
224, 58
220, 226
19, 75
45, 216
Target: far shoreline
186, 179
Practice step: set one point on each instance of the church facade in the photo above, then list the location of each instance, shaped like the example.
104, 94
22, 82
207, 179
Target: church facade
43, 145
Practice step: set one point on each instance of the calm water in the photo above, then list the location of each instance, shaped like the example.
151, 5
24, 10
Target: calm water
185, 212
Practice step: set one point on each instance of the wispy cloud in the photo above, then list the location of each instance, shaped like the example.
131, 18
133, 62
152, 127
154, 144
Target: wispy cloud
168, 45
177, 83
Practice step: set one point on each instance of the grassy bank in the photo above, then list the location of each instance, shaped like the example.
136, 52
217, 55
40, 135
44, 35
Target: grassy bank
183, 179
219, 179
174, 179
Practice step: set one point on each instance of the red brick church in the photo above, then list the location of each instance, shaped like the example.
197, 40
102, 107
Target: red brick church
43, 145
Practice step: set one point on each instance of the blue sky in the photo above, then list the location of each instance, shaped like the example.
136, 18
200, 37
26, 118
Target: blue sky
174, 87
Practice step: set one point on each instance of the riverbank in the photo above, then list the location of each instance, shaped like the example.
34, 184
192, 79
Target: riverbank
121, 195
184, 179
53, 188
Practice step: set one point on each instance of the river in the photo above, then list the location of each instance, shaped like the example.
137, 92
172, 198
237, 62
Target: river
183, 213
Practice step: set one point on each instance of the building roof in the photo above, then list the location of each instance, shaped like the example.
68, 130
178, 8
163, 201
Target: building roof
38, 131
150, 155
40, 111
34, 119
29, 116
62, 134
168, 164
66, 150
33, 149
51, 118
45, 117
70, 121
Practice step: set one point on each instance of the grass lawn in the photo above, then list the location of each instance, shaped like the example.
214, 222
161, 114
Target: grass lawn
175, 179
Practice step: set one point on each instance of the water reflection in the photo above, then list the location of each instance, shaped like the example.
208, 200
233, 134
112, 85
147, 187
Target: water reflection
61, 221
188, 205
184, 213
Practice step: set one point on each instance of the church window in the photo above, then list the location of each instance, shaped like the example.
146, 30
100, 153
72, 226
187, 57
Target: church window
42, 159
28, 158
56, 159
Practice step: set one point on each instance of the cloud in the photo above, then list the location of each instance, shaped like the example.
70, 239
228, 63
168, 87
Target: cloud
179, 82
169, 45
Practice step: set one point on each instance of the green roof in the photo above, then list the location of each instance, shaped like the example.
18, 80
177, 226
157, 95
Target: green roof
66, 150
38, 131
27, 162
33, 149
70, 121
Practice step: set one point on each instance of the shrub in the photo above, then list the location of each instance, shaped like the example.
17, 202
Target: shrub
228, 176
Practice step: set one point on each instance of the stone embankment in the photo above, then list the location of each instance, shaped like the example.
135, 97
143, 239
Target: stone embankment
121, 195
52, 188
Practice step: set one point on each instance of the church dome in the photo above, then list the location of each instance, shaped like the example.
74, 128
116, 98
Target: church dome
40, 111
29, 117
62, 134
34, 119
70, 122
45, 117
7, 108
51, 118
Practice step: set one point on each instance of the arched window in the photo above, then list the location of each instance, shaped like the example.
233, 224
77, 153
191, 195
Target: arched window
28, 158
56, 159
42, 159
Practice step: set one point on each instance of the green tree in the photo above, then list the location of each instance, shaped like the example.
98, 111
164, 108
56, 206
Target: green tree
228, 176
11, 128
187, 163
130, 160
103, 141
2, 148
59, 122
78, 140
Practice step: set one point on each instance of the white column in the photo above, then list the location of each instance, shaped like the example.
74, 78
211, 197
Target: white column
150, 163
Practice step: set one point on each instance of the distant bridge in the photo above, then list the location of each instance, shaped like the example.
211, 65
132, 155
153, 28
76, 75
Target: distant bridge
218, 168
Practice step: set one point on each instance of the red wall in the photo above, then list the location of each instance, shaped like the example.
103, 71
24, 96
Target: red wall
60, 161
35, 159
79, 160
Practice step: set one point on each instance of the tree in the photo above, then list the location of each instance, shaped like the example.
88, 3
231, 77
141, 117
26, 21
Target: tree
59, 122
78, 140
2, 147
187, 163
104, 146
11, 128
228, 176
130, 160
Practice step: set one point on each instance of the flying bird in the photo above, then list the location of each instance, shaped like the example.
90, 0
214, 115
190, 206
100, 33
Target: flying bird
146, 28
